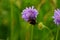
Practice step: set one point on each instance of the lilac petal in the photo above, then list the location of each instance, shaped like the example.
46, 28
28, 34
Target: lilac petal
56, 16
29, 13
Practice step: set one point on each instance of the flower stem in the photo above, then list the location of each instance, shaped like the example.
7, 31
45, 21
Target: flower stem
57, 33
11, 22
32, 32
49, 30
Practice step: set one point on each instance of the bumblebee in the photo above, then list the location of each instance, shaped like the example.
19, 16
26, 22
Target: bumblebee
32, 21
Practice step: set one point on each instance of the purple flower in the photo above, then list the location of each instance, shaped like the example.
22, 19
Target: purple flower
57, 16
29, 13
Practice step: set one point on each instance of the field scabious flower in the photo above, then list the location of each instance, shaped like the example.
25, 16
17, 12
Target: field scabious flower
30, 14
57, 16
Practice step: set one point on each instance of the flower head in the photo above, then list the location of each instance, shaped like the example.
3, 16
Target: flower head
57, 16
29, 14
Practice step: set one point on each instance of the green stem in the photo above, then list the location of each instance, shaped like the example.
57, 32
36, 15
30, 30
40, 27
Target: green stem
11, 6
50, 32
32, 32
57, 33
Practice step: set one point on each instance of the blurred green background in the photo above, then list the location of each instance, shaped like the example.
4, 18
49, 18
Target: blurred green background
13, 27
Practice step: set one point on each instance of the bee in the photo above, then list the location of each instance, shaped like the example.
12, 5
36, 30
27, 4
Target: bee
32, 21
